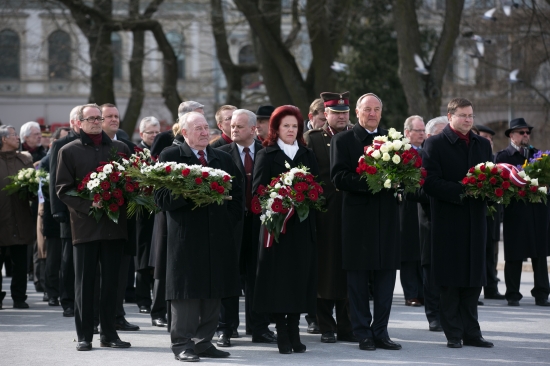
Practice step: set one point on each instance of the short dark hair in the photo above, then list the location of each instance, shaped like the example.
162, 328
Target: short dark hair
57, 132
80, 114
275, 121
456, 103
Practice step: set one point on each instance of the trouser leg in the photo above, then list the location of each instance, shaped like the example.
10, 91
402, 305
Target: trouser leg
451, 320
86, 256
209, 313
229, 315
53, 266
512, 277
468, 312
540, 273
324, 315
109, 260
409, 281
144, 284
18, 286
431, 295
158, 310
343, 321
358, 293
384, 283
492, 282
67, 274
122, 282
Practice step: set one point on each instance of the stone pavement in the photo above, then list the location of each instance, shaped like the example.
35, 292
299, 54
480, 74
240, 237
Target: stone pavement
41, 336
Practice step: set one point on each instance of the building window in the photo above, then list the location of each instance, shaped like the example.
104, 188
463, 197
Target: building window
116, 47
247, 56
177, 41
9, 55
59, 55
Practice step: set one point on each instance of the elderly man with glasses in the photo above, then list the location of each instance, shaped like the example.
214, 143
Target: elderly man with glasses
525, 225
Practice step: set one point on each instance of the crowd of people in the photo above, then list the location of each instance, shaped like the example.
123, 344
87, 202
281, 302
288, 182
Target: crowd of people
191, 264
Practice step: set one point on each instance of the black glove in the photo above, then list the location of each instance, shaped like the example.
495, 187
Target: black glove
61, 217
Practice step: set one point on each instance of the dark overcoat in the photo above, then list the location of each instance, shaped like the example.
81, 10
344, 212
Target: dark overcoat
458, 225
50, 227
525, 225
131, 223
331, 277
287, 271
410, 232
75, 161
218, 143
370, 222
144, 233
202, 258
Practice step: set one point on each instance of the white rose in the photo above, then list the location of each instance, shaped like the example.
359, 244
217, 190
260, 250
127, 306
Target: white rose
397, 144
396, 159
28, 175
543, 189
387, 183
391, 131
407, 147
382, 138
385, 148
405, 140
535, 182
489, 165
376, 154
521, 174
386, 157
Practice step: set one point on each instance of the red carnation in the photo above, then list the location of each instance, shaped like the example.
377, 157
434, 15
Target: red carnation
121, 154
499, 192
168, 169
505, 184
300, 197
362, 160
99, 168
105, 185
120, 201
114, 177
273, 182
198, 180
117, 193
220, 189
113, 207
312, 194
185, 172
106, 196
522, 193
97, 197
214, 185
493, 180
226, 178
299, 175
358, 170
129, 187
205, 174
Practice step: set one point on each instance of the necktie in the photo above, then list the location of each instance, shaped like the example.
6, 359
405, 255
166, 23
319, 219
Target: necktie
202, 158
248, 165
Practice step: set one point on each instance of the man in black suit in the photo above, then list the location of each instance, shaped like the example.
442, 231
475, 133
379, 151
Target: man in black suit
60, 213
243, 149
458, 224
202, 256
370, 232
223, 120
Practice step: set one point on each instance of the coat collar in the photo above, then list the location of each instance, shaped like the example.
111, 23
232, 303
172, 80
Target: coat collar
361, 133
211, 154
86, 140
453, 137
282, 158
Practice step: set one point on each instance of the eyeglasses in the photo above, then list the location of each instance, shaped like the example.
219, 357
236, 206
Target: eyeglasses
523, 132
227, 119
464, 116
92, 119
415, 130
151, 132
13, 135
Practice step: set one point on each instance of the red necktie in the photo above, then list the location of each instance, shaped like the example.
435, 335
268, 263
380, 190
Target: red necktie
248, 165
201, 158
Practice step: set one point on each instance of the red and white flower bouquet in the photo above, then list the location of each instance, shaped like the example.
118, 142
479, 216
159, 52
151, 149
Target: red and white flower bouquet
291, 192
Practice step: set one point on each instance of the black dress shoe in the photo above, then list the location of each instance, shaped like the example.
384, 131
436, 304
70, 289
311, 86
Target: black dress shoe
188, 356
313, 328
454, 343
328, 337
45, 297
350, 337
542, 302
494, 296
478, 342
20, 305
367, 344
122, 324
480, 303
96, 330
159, 322
435, 326
267, 337
223, 341
53, 301
116, 343
84, 346
145, 310
387, 344
68, 313
513, 303
413, 302
235, 334
213, 352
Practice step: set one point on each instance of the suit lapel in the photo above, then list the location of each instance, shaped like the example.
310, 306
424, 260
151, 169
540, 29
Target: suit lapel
234, 151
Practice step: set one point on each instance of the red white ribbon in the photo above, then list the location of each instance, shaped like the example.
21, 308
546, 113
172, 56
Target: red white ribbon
268, 237
515, 178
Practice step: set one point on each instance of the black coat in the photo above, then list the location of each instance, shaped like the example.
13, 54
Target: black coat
287, 271
525, 225
131, 224
144, 233
50, 227
218, 143
332, 279
410, 232
162, 141
458, 225
370, 222
202, 258
424, 224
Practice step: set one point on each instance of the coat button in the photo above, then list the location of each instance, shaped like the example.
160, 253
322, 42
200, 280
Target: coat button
328, 144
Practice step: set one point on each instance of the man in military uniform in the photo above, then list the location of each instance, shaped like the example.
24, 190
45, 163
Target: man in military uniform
332, 285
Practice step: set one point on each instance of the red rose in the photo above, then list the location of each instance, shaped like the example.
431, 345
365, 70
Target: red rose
505, 184
465, 180
421, 181
471, 180
482, 168
220, 189
117, 193
371, 170
479, 185
494, 171
505, 174
522, 193
198, 181
362, 160
481, 177
472, 170
106, 196
493, 180
423, 172
358, 170
113, 177
113, 207
533, 188
97, 197
300, 197
129, 187
205, 174
417, 163
277, 205
185, 172
214, 185
406, 161
105, 185
226, 178
168, 169
81, 186
120, 201
312, 195
499, 192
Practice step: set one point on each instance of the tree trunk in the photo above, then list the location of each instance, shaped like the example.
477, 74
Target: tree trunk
137, 95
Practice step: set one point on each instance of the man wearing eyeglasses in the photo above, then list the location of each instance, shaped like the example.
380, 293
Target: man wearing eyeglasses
94, 242
223, 119
532, 240
458, 224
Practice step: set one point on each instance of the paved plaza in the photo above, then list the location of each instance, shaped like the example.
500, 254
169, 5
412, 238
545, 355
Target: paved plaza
41, 336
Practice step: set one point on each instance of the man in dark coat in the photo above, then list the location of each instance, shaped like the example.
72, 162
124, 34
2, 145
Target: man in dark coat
525, 225
243, 132
60, 213
332, 282
94, 242
458, 224
370, 235
223, 120
202, 255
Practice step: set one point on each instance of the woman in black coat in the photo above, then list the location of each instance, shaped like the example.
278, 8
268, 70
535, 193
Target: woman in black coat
286, 283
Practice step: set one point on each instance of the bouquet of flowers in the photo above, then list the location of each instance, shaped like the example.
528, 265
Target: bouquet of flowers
27, 182
292, 192
202, 185
110, 187
391, 162
538, 167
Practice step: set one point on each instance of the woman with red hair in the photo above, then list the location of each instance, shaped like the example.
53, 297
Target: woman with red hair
286, 283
